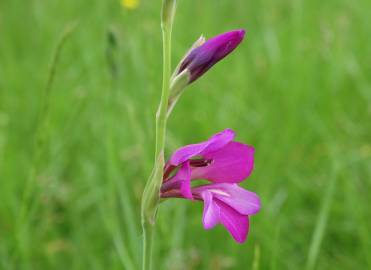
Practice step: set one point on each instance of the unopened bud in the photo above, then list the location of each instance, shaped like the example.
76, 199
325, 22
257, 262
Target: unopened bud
201, 58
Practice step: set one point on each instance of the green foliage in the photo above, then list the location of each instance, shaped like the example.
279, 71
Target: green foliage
298, 89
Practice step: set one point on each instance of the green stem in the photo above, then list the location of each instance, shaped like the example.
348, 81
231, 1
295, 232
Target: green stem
148, 232
161, 117
151, 194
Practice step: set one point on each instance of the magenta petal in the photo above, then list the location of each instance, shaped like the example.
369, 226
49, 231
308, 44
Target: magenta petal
202, 58
213, 144
216, 211
243, 201
234, 222
181, 181
184, 175
231, 164
211, 214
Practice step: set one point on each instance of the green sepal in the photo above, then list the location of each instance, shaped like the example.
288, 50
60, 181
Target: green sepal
177, 87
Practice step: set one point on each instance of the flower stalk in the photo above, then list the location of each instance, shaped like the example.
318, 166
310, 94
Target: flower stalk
151, 195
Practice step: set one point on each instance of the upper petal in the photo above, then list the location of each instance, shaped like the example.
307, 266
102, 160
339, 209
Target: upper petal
231, 164
213, 144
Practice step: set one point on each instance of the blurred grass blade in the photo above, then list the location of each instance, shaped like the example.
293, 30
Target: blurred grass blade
53, 69
256, 262
123, 253
29, 201
116, 184
321, 223
112, 54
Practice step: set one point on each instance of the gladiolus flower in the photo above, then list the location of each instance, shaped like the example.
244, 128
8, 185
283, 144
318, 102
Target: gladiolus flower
225, 163
219, 160
201, 58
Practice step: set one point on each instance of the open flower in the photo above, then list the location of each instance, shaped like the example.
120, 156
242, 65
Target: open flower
219, 160
203, 56
225, 163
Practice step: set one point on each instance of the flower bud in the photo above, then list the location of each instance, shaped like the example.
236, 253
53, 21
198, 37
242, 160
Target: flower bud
201, 58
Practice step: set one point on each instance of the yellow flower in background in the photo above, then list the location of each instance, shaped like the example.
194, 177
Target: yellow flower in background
130, 4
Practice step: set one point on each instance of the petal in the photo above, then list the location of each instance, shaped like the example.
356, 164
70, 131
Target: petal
216, 211
184, 174
181, 180
202, 58
231, 164
243, 201
234, 222
211, 214
213, 144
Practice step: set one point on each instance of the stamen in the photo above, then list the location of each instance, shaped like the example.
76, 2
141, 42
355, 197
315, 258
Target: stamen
217, 191
169, 172
200, 162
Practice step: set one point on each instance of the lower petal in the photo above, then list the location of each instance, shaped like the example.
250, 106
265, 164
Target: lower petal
216, 211
243, 201
211, 214
234, 222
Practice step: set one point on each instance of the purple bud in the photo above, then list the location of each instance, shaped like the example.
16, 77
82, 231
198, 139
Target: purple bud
202, 58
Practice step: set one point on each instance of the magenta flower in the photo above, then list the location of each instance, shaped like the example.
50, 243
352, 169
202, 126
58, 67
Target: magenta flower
219, 160
202, 58
224, 162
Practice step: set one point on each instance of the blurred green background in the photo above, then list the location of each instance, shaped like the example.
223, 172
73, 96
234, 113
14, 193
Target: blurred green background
74, 155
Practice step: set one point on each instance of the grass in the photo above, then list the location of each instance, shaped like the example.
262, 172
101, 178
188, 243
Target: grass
297, 89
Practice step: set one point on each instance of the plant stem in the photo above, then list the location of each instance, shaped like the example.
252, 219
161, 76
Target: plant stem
148, 232
161, 117
151, 195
